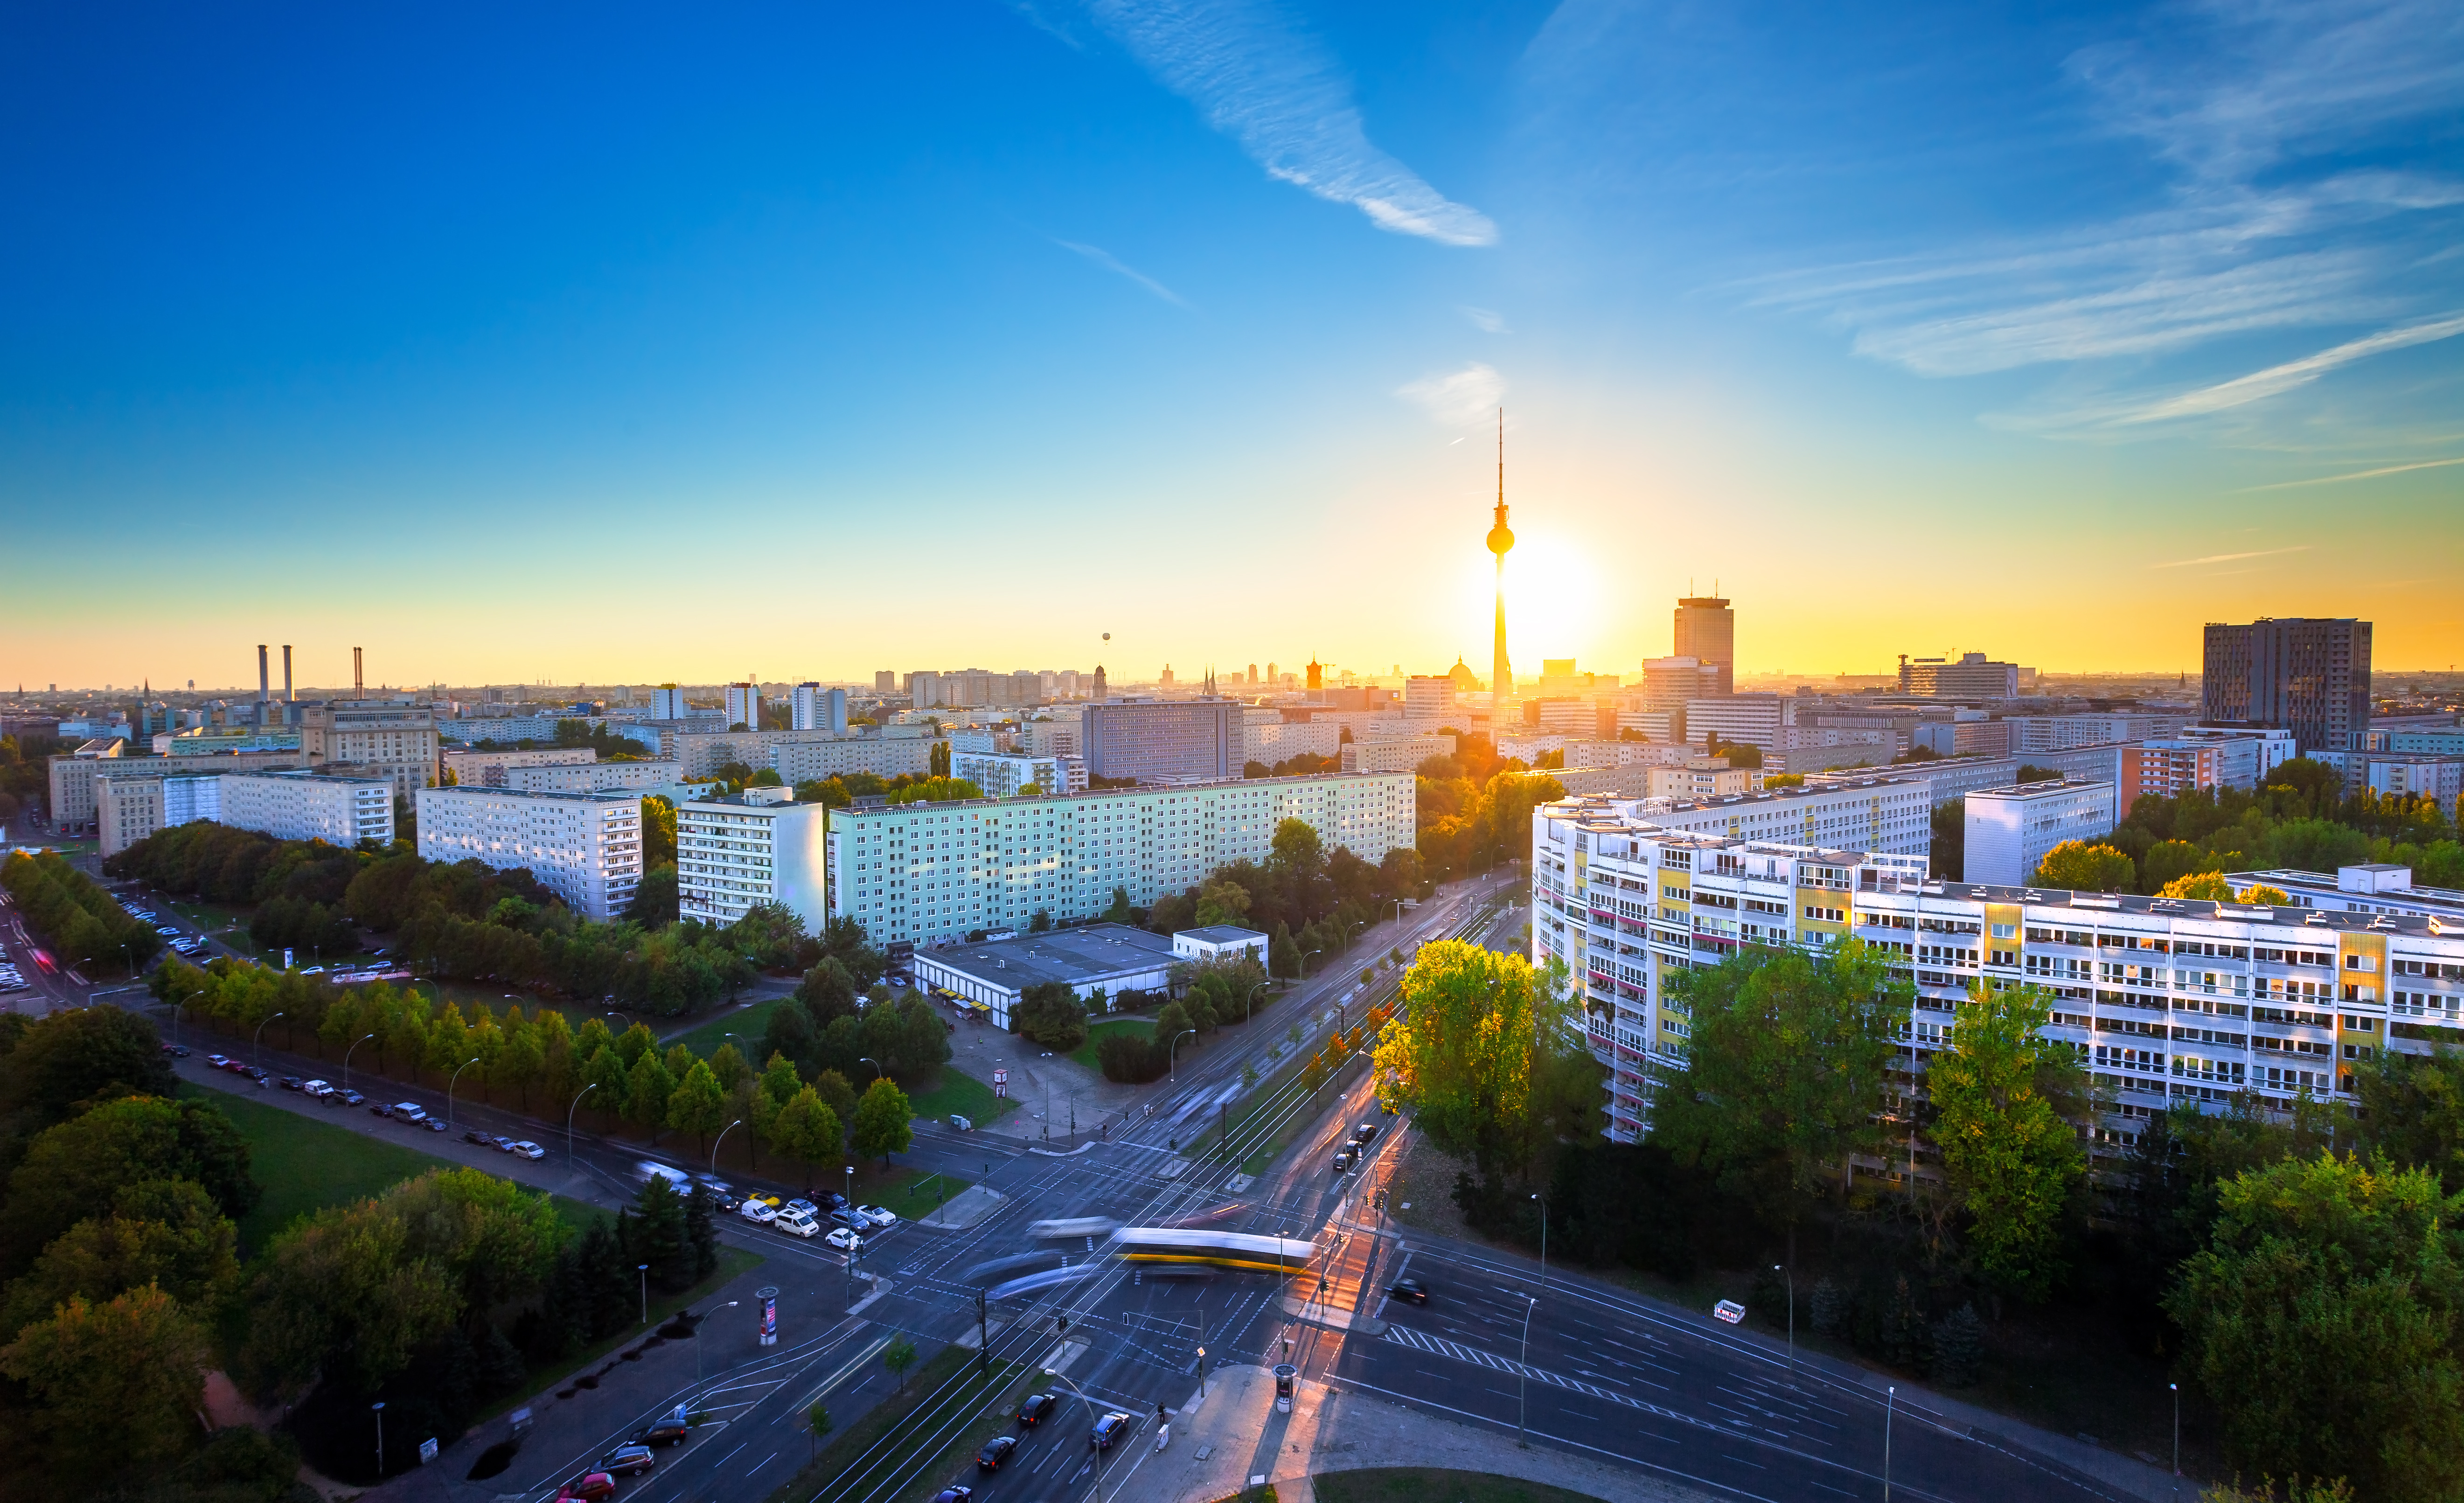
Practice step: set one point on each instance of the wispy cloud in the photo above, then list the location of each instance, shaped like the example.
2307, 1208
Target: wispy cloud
2276, 379
2230, 557
2357, 475
1485, 320
1106, 260
1033, 15
1281, 95
1461, 398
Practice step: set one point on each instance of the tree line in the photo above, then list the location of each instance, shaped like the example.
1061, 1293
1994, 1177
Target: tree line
1475, 809
83, 924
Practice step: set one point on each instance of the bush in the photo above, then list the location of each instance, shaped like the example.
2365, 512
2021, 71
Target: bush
1050, 1014
1130, 1059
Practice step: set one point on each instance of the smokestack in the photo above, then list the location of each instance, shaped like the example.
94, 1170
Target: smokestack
264, 689
286, 674
359, 685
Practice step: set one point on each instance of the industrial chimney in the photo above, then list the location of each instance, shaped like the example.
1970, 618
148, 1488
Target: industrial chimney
287, 696
359, 685
264, 687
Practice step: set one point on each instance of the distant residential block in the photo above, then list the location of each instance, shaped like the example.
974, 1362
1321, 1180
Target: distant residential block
756, 846
585, 846
306, 804
2011, 829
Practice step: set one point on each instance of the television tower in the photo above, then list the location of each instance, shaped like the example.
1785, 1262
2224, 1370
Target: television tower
1501, 538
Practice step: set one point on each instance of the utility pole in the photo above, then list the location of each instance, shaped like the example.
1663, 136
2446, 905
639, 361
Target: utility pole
983, 1338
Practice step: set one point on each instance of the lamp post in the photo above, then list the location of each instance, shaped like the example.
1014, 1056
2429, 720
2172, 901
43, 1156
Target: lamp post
731, 1305
1522, 1368
646, 1292
1543, 1198
568, 1120
1304, 960
2177, 1438
1246, 1002
1790, 1276
347, 1058
1100, 1455
1890, 1397
256, 1046
448, 1089
1171, 1061
721, 1139
379, 1409
868, 1059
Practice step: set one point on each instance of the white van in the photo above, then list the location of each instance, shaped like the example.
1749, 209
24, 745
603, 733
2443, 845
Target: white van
798, 1223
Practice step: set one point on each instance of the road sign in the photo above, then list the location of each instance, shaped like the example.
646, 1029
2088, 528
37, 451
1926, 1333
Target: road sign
1001, 1084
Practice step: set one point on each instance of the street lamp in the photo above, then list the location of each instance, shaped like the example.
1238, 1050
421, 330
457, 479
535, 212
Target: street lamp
1523, 1368
568, 1120
1170, 1063
379, 1407
1890, 1397
1246, 1002
1304, 960
256, 1046
347, 1058
1100, 1455
1784, 1272
1543, 1198
868, 1059
731, 1305
448, 1089
722, 1137
646, 1292
2177, 1438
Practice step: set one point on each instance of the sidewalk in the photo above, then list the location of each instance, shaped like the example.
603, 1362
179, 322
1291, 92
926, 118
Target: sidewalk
1233, 1438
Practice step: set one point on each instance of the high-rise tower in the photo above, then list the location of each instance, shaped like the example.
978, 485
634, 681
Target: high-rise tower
1501, 538
1706, 631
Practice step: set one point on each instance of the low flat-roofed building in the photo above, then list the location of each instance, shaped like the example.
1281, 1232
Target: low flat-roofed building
2371, 887
1100, 960
1217, 942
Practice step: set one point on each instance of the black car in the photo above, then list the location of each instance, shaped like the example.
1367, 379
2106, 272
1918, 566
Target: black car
175, 1052
1409, 1290
291, 1082
955, 1495
995, 1451
1035, 1408
1367, 1133
666, 1433
478, 1140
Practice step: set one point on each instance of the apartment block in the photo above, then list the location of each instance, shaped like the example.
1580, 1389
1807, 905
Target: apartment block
2162, 1000
2043, 732
585, 844
1973, 677
488, 768
756, 846
2310, 675
1875, 814
814, 708
1428, 697
308, 804
1001, 774
1153, 739
398, 736
1271, 742
1061, 734
2011, 829
1394, 756
131, 805
72, 775
592, 777
929, 873
2402, 775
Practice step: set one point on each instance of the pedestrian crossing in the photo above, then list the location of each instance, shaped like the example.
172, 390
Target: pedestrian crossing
1456, 1351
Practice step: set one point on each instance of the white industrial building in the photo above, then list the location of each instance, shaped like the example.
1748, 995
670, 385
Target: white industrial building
756, 847
1097, 961
584, 846
309, 805
2010, 829
931, 872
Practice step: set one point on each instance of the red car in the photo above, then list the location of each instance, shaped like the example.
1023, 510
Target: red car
591, 1487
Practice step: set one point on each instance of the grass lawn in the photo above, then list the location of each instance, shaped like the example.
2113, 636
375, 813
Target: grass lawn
1085, 1054
307, 1165
954, 1093
1433, 1485
749, 1024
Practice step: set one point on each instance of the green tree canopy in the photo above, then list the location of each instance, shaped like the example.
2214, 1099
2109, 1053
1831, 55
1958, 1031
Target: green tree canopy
698, 1105
118, 1384
1476, 1027
2079, 866
2001, 1093
807, 1131
882, 1119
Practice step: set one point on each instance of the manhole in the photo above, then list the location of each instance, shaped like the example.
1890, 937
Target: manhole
494, 1460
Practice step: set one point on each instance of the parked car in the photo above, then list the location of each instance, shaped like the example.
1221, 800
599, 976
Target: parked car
1410, 1291
478, 1140
291, 1082
1109, 1428
955, 1495
878, 1216
344, 1097
175, 1052
802, 1208
995, 1451
434, 1125
500, 1142
628, 1460
405, 1111
670, 1431
219, 1061
316, 1088
526, 1149
759, 1213
843, 1239
589, 1488
1036, 1407
800, 1225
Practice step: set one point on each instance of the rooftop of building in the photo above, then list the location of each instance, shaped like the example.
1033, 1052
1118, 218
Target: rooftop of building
1075, 957
1221, 934
1168, 785
2035, 790
569, 795
2182, 908
1607, 803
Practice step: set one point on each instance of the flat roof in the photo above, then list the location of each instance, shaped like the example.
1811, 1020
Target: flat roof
1221, 934
1077, 956
2030, 790
2135, 905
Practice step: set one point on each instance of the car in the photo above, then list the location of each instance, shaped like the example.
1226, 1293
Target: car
1342, 1161
834, 1201
526, 1149
757, 1212
853, 1220
165, 931
500, 1142
1367, 1132
1410, 1291
1036, 1407
722, 1195
478, 1140
798, 1224
628, 1460
1109, 1429
176, 1051
845, 1240
291, 1082
954, 1494
878, 1215
995, 1451
802, 1206
345, 1097
316, 1088
670, 1431
218, 1061
436, 1124
588, 1488
407, 1112
651, 1169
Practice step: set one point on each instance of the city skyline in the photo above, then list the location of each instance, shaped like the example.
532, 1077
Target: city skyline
2115, 309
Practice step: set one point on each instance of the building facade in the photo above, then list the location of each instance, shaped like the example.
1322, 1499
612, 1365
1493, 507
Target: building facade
1151, 739
72, 775
306, 804
2044, 732
2310, 675
591, 777
1973, 677
1001, 775
1098, 961
1875, 814
814, 708
1271, 742
1706, 630
584, 846
756, 847
930, 874
883, 756
487, 769
1394, 756
2011, 829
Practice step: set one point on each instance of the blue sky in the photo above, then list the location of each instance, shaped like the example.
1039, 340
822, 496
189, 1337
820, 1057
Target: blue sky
613, 343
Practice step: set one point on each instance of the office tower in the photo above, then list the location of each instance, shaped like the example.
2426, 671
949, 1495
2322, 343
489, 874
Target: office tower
885, 680
2310, 675
1973, 677
1706, 631
1151, 739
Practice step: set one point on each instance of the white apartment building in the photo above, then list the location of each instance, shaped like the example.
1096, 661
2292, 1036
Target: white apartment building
744, 706
1271, 742
668, 703
1876, 813
1402, 755
584, 846
930, 874
592, 777
72, 775
488, 768
2164, 1000
884, 757
756, 847
2044, 732
2373, 887
2010, 829
814, 708
1428, 697
397, 736
1057, 736
1754, 719
2259, 749
1001, 775
309, 805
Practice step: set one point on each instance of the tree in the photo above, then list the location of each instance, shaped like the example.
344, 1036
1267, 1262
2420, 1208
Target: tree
1999, 1092
898, 1357
1050, 1013
657, 896
1120, 912
168, 1233
2412, 1110
1948, 858
76, 1056
82, 1164
836, 1094
118, 1384
605, 1072
2079, 866
1282, 956
817, 1424
1464, 1056
882, 1121
647, 1088
2169, 861
2321, 1318
1787, 1059
698, 1105
806, 1130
